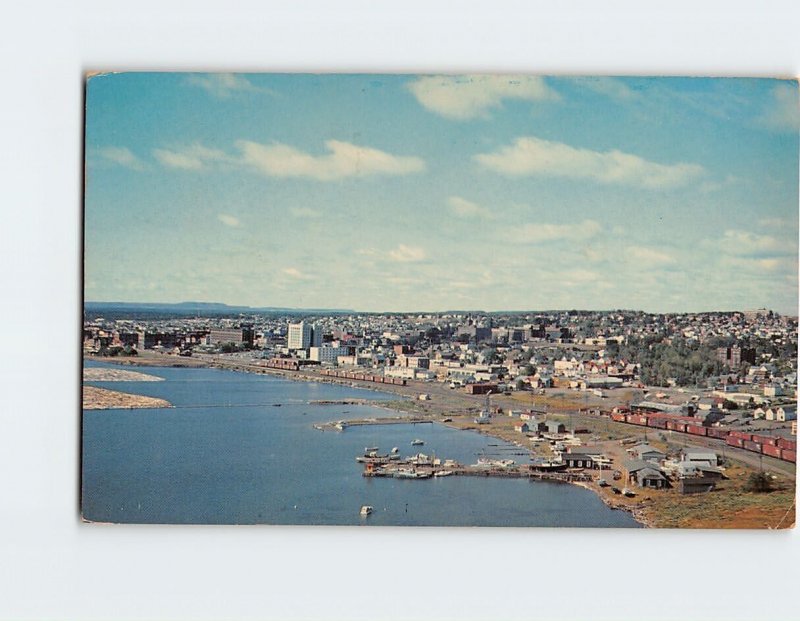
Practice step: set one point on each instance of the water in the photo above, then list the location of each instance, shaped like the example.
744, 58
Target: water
226, 455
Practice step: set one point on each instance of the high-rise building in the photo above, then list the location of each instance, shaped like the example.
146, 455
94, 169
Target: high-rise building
303, 335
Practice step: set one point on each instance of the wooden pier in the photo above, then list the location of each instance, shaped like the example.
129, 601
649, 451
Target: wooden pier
341, 425
522, 471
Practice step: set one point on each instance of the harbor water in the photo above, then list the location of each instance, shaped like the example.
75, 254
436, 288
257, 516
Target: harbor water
240, 448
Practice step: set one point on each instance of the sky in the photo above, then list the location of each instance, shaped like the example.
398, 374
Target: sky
429, 193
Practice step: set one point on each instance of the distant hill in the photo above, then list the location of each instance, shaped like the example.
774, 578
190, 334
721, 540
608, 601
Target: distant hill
193, 308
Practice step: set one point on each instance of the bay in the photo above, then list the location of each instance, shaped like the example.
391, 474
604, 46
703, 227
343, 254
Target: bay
241, 448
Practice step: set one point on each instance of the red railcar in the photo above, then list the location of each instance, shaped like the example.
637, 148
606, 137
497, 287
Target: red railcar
785, 443
620, 418
659, 423
788, 455
716, 432
637, 419
741, 434
772, 451
772, 440
752, 446
696, 430
734, 441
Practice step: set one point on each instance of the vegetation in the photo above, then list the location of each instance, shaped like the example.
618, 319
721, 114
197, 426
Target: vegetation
117, 351
758, 482
686, 362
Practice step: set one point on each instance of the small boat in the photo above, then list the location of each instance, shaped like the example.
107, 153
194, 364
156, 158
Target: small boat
411, 474
628, 492
603, 483
395, 450
366, 510
417, 442
616, 490
442, 473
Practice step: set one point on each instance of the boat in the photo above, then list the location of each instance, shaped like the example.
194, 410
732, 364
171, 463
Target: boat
366, 510
411, 474
603, 483
628, 492
442, 473
417, 442
370, 449
395, 450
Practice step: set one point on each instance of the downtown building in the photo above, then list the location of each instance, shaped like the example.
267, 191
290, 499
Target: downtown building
303, 335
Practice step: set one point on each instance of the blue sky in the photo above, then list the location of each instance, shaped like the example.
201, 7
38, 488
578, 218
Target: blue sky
404, 192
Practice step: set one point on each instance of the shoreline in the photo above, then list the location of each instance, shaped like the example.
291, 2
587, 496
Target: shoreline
634, 510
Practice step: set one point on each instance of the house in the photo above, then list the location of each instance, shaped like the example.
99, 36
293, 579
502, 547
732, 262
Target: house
784, 413
551, 426
645, 452
585, 457
699, 456
692, 469
773, 390
696, 485
645, 474
578, 460
521, 427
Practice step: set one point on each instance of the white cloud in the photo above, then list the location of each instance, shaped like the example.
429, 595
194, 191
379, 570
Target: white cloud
407, 254
531, 233
467, 209
305, 212
281, 160
122, 156
194, 157
223, 85
470, 96
783, 111
534, 156
228, 220
344, 160
295, 273
745, 243
648, 256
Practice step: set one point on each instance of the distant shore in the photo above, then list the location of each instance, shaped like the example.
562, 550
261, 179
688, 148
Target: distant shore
95, 398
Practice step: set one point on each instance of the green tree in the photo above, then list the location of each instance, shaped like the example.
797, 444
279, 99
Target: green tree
759, 482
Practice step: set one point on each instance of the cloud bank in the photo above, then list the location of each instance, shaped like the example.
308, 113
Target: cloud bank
466, 97
529, 156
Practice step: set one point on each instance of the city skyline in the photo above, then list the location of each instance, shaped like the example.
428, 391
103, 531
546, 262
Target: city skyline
393, 193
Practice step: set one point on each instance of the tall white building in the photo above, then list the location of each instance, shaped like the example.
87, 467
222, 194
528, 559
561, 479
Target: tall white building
303, 335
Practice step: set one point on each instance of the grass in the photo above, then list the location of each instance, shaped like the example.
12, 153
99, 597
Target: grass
729, 506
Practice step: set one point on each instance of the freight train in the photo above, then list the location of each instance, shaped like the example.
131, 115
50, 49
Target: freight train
777, 447
365, 377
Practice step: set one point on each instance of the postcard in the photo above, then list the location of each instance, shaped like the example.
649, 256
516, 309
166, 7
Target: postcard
440, 300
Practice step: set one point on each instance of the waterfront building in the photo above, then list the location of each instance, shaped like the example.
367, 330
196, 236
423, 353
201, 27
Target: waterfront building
327, 354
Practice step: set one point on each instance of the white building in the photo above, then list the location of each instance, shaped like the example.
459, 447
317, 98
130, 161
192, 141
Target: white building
326, 354
303, 335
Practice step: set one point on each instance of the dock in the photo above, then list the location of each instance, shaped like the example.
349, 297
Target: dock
341, 425
406, 470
